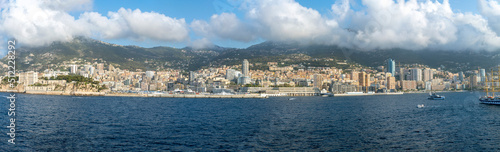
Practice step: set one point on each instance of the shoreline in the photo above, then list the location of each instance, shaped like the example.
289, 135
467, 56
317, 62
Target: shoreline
63, 93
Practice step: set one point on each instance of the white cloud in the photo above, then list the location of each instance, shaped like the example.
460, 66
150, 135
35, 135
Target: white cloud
127, 23
379, 24
225, 26
35, 23
201, 43
31, 23
491, 10
419, 25
285, 20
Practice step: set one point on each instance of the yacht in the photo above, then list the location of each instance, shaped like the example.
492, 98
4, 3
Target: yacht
490, 100
434, 96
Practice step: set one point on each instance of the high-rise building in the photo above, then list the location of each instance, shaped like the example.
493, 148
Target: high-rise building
402, 73
391, 83
111, 68
28, 78
428, 75
244, 68
416, 74
100, 68
364, 79
73, 68
391, 66
461, 76
318, 81
192, 76
482, 73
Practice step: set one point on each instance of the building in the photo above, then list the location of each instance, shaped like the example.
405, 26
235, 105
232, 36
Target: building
111, 68
391, 67
408, 85
244, 80
391, 83
232, 74
275, 68
100, 68
318, 81
28, 78
364, 79
354, 76
192, 77
461, 76
402, 74
337, 87
73, 68
482, 74
428, 75
245, 68
416, 74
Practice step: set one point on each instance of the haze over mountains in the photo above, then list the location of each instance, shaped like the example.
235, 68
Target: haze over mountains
134, 57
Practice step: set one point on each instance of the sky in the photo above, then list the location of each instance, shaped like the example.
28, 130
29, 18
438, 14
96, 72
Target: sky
358, 24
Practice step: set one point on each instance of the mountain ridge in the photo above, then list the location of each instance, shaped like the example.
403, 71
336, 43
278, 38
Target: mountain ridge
160, 57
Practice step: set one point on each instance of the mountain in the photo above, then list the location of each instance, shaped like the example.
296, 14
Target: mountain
134, 57
126, 57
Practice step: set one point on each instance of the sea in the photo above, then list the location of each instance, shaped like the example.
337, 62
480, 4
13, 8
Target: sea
363, 123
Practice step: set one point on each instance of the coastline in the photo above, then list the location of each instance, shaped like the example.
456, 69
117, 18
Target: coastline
76, 93
63, 93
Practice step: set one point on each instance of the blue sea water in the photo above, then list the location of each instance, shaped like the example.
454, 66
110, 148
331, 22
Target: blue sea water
366, 123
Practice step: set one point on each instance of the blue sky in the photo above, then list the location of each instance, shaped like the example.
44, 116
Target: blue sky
359, 24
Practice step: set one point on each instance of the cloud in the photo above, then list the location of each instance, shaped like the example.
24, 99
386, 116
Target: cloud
491, 10
127, 23
224, 26
285, 20
201, 43
415, 25
31, 22
379, 24
36, 23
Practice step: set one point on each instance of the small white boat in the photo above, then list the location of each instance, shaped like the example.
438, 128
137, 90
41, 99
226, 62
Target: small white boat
291, 98
420, 106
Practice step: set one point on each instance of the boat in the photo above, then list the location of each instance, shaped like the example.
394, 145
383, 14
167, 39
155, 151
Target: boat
490, 99
291, 98
420, 106
434, 96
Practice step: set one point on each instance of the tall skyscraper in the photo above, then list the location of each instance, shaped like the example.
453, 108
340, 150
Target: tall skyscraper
482, 73
402, 73
416, 74
192, 76
391, 66
244, 68
461, 76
